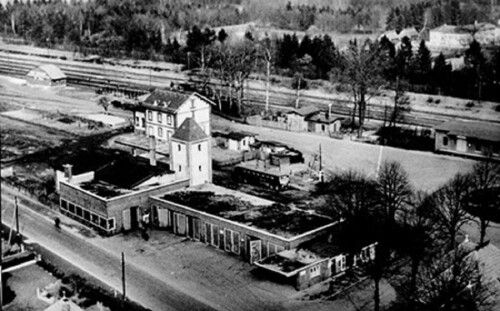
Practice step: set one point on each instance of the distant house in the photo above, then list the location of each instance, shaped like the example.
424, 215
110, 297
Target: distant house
476, 139
324, 122
235, 140
296, 119
49, 75
160, 113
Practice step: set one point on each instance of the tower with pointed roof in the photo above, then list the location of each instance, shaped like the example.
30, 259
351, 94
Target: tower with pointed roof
190, 153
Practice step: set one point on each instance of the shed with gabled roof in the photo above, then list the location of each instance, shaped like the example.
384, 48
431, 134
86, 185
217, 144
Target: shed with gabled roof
49, 75
296, 119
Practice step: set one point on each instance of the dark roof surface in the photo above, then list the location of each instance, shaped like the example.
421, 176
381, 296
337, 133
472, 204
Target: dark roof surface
480, 130
323, 117
305, 111
128, 172
169, 100
189, 131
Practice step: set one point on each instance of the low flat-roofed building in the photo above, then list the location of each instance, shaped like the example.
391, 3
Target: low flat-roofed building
236, 222
113, 197
49, 75
318, 259
469, 138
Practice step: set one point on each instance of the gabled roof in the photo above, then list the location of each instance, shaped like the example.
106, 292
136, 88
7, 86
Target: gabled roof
480, 130
305, 111
52, 71
189, 131
169, 100
323, 117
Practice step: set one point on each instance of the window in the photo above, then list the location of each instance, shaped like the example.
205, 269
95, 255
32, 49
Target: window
111, 224
103, 223
150, 116
86, 215
180, 168
64, 204
236, 242
179, 147
478, 146
79, 211
199, 147
208, 233
160, 132
199, 168
94, 218
169, 119
314, 271
159, 117
71, 208
137, 121
445, 141
215, 235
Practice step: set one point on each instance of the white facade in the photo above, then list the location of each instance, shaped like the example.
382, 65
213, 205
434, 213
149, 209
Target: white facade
192, 160
162, 124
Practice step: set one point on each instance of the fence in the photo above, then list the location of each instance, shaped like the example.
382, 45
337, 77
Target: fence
258, 121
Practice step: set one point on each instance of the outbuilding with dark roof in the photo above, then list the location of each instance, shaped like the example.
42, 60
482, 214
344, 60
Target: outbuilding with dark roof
476, 139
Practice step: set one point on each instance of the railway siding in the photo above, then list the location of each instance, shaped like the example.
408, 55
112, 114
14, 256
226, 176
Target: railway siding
121, 77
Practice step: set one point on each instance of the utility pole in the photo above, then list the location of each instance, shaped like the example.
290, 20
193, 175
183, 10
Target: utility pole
123, 278
17, 218
321, 177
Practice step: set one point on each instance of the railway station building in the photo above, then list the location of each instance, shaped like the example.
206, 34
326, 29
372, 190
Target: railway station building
163, 111
47, 75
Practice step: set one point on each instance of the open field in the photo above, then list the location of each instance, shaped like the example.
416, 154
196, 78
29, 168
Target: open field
427, 170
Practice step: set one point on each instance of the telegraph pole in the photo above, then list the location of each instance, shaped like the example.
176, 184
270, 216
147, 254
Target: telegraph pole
17, 218
123, 278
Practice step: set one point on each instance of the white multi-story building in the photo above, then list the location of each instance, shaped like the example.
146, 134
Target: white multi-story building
163, 111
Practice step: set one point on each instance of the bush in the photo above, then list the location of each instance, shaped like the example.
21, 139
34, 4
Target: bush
469, 104
430, 100
437, 101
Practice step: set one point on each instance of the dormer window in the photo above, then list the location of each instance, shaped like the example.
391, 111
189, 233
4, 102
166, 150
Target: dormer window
155, 103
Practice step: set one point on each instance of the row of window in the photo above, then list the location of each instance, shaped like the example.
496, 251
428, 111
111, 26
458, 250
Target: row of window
160, 117
87, 216
215, 235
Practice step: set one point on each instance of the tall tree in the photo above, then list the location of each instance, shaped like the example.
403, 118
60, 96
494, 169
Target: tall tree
475, 61
422, 63
452, 200
360, 71
394, 189
440, 72
485, 200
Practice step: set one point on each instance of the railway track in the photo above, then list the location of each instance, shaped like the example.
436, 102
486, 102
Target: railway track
137, 80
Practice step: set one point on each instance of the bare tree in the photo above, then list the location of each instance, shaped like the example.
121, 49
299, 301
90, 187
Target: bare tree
450, 281
394, 189
401, 103
361, 72
266, 50
451, 206
484, 201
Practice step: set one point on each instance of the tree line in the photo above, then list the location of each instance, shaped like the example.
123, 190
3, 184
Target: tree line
433, 14
418, 230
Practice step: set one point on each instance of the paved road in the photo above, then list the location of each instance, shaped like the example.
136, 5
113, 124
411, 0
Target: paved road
143, 288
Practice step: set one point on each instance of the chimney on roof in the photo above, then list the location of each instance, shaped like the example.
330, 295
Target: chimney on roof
329, 109
466, 240
152, 151
68, 171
